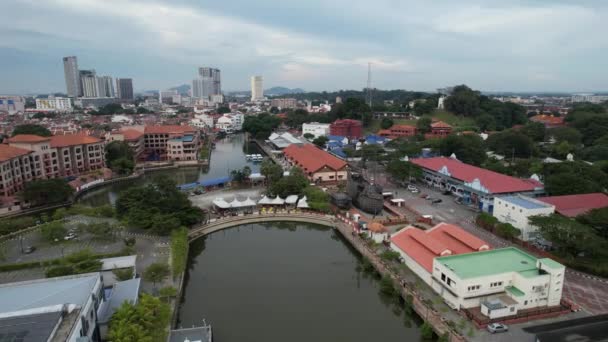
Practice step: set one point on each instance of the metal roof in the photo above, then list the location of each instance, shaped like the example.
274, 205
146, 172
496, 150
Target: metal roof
29, 328
123, 291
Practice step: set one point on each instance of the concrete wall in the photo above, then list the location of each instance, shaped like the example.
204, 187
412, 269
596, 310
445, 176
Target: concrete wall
413, 265
508, 212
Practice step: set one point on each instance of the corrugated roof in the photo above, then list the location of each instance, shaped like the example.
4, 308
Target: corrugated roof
574, 205
495, 182
9, 152
312, 158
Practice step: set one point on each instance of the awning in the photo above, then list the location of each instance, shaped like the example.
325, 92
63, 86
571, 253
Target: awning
265, 200
248, 202
302, 203
291, 199
235, 203
256, 176
220, 203
215, 181
278, 201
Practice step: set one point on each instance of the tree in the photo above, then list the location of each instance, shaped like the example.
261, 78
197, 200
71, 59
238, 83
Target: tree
573, 178
467, 148
120, 157
223, 110
511, 144
320, 141
273, 172
507, 231
309, 136
102, 231
52, 231
260, 126
156, 272
535, 130
83, 261
47, 191
486, 122
142, 110
145, 321
317, 199
423, 125
403, 171
123, 166
241, 176
31, 129
386, 123
123, 274
274, 110
596, 219
423, 108
463, 101
568, 236
293, 184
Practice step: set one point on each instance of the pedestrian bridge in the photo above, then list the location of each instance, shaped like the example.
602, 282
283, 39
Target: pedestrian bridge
233, 221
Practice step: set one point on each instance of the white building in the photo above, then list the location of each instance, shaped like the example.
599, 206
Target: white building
12, 104
516, 210
72, 77
589, 98
316, 129
257, 88
501, 281
202, 121
54, 104
230, 122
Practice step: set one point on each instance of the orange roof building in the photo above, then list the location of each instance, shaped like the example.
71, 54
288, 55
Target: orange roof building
317, 164
27, 138
73, 140
9, 152
419, 247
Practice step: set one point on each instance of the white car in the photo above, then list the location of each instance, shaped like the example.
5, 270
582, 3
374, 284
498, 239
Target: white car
497, 328
70, 236
415, 191
411, 187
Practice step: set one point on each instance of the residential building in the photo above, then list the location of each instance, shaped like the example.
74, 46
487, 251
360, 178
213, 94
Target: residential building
316, 129
133, 136
257, 88
212, 80
54, 104
284, 103
318, 165
166, 96
70, 308
124, 88
439, 129
72, 76
89, 83
589, 98
351, 129
12, 104
203, 121
217, 99
106, 86
471, 184
501, 281
398, 131
516, 210
418, 248
16, 168
176, 143
574, 205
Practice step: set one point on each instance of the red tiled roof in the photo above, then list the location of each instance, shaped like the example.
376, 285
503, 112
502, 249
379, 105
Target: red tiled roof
27, 138
131, 134
574, 205
443, 239
402, 127
440, 124
377, 227
9, 152
312, 158
548, 119
495, 182
72, 139
168, 129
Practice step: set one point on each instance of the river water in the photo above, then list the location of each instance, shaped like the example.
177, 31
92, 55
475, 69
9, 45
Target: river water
286, 281
228, 155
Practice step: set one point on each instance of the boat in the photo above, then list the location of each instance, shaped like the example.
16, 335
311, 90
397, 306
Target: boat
249, 156
257, 157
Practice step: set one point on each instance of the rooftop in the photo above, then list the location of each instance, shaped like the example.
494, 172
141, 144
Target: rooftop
131, 134
30, 328
525, 202
169, 129
312, 159
497, 261
72, 139
75, 289
495, 182
9, 152
27, 138
574, 205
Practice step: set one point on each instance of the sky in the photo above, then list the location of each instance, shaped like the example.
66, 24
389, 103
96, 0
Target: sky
491, 45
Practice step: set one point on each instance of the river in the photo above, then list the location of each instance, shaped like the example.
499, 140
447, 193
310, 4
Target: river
228, 155
287, 281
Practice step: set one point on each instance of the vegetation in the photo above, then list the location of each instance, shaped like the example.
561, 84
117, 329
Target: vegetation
273, 172
159, 207
317, 199
83, 261
110, 109
261, 126
240, 176
102, 231
469, 149
53, 231
426, 331
403, 171
320, 141
31, 129
386, 123
47, 191
120, 158
573, 178
146, 321
123, 274
156, 272
179, 250
294, 184
8, 226
167, 292
512, 144
390, 255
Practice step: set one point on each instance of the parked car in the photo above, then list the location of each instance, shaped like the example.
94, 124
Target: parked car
29, 249
497, 328
70, 236
429, 198
437, 200
415, 191
411, 187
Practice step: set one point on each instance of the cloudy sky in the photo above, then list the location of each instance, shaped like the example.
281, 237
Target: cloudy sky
506, 45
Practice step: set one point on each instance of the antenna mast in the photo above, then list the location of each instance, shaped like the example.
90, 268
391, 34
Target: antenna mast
369, 85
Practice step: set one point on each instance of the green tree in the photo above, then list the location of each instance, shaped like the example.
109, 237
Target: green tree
317, 199
294, 184
156, 272
146, 321
309, 136
596, 219
463, 101
31, 129
568, 236
123, 274
507, 231
423, 108
486, 122
142, 110
273, 172
511, 143
320, 141
467, 148
102, 231
120, 157
52, 231
47, 191
535, 130
223, 110
241, 175
260, 126
423, 125
403, 171
426, 331
386, 123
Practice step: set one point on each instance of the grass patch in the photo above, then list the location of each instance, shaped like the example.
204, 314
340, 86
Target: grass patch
452, 119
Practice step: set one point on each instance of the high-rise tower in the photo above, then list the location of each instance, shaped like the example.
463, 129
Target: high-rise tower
72, 77
257, 88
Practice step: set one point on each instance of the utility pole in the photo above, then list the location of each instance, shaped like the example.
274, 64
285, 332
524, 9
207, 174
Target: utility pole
369, 85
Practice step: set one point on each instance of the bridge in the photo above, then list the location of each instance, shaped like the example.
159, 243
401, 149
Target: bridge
233, 221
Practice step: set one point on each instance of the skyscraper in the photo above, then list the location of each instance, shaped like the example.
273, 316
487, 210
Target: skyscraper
72, 77
257, 88
212, 79
107, 89
124, 88
89, 83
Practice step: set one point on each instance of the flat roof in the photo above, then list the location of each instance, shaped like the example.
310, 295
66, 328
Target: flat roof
524, 202
29, 328
491, 262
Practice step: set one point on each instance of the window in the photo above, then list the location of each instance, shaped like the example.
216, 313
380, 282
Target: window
512, 309
442, 276
498, 283
525, 302
474, 287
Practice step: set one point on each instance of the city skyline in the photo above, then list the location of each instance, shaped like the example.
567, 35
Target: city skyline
516, 45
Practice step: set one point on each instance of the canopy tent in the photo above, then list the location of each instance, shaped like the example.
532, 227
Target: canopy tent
278, 201
256, 176
291, 199
302, 203
265, 200
220, 203
235, 203
248, 203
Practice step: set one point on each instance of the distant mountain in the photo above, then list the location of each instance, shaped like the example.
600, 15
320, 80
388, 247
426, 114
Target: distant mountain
183, 89
279, 91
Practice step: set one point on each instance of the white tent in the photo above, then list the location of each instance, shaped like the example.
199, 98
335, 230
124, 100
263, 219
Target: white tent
278, 201
248, 202
302, 203
265, 200
236, 203
220, 203
257, 176
291, 199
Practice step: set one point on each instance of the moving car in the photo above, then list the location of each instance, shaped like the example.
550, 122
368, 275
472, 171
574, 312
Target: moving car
497, 328
70, 236
411, 187
29, 249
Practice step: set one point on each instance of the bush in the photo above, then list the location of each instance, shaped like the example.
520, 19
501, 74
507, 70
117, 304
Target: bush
426, 331
8, 226
179, 250
123, 274
52, 231
507, 231
390, 256
486, 221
